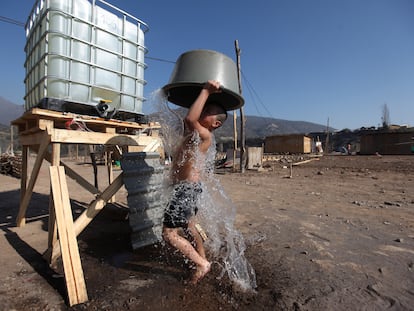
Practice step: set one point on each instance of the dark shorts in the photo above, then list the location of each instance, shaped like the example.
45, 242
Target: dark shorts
183, 205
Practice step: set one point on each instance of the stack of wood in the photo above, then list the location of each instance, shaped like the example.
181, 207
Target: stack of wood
11, 165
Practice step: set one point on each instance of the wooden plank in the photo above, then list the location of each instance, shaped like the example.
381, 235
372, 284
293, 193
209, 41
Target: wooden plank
38, 112
53, 252
94, 208
109, 167
35, 137
55, 157
52, 229
23, 177
97, 205
75, 282
135, 148
31, 139
305, 161
152, 146
35, 172
45, 124
75, 176
79, 179
94, 138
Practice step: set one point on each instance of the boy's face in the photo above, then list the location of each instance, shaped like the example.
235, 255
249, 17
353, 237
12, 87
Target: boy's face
212, 116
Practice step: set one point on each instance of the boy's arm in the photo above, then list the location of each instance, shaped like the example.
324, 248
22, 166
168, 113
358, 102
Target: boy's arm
194, 113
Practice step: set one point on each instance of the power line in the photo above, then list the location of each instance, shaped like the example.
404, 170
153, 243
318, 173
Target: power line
160, 59
11, 21
259, 99
253, 99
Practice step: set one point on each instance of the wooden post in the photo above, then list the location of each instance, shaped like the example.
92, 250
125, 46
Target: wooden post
92, 154
11, 141
21, 216
52, 229
52, 217
23, 180
242, 117
75, 282
110, 170
327, 138
235, 139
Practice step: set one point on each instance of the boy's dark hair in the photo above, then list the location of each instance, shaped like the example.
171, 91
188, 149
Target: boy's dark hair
217, 109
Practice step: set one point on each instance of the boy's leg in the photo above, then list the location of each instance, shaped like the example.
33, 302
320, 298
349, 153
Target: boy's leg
199, 245
172, 236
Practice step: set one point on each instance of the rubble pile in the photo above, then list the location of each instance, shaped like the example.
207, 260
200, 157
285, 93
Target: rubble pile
11, 165
284, 159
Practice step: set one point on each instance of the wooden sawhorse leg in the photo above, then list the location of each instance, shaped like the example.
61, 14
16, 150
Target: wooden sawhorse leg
24, 203
88, 215
75, 282
52, 230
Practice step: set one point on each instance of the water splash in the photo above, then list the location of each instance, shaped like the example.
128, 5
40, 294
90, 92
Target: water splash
172, 125
217, 213
226, 244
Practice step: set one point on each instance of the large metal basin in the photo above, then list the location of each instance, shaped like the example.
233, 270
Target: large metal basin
193, 69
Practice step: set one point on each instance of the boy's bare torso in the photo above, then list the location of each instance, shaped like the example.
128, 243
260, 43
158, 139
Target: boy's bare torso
187, 159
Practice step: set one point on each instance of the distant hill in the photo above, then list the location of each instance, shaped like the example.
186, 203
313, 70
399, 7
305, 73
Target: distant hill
260, 127
9, 111
257, 128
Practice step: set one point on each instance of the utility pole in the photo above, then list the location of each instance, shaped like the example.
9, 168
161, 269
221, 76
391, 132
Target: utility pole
235, 139
242, 117
11, 141
327, 137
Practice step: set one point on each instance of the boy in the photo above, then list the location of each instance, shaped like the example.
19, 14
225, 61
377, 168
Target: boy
201, 120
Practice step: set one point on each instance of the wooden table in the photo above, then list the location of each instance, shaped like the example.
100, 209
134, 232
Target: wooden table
43, 131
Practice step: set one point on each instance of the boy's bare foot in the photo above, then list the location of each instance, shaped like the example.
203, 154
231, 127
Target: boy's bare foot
200, 272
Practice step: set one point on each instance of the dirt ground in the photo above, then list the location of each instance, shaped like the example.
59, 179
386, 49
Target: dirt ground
338, 234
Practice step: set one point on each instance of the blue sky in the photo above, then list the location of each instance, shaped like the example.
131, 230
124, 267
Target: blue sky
306, 60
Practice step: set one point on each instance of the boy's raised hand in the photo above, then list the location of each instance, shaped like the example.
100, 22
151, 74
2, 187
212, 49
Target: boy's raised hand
212, 86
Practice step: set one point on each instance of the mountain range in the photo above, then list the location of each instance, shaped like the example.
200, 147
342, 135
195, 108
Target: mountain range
260, 127
9, 111
255, 127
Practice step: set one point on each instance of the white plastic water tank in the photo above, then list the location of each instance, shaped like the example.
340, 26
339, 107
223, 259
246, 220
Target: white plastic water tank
81, 52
